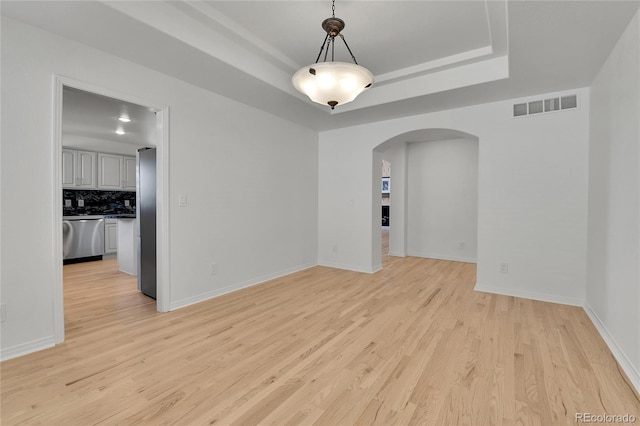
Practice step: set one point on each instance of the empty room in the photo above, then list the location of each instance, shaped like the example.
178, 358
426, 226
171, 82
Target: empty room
320, 212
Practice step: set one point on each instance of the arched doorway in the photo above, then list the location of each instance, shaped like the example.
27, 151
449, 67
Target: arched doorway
433, 202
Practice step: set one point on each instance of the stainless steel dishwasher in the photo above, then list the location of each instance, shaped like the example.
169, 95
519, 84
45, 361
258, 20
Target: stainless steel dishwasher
83, 236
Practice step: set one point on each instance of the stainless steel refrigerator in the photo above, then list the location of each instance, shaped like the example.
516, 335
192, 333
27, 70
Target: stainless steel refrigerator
146, 215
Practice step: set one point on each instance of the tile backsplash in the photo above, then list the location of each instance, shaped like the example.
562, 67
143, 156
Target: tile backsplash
97, 202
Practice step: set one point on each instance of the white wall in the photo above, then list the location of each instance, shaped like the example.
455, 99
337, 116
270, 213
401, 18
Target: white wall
442, 202
345, 193
613, 274
250, 178
532, 195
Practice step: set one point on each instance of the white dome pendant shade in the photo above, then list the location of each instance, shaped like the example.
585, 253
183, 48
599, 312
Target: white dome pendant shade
332, 83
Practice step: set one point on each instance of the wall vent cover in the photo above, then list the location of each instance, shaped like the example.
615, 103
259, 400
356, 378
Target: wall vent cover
546, 105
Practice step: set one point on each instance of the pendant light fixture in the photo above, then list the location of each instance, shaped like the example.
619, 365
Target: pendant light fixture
332, 83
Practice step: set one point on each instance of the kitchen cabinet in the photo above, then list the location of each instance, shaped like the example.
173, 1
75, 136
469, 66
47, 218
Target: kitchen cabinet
110, 236
68, 168
109, 171
129, 170
116, 172
78, 169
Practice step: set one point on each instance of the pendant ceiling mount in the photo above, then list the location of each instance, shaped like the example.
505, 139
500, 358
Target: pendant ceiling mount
333, 26
328, 82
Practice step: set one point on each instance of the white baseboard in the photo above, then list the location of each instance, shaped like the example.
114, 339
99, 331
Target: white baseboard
354, 268
543, 297
26, 348
235, 287
442, 257
627, 366
397, 254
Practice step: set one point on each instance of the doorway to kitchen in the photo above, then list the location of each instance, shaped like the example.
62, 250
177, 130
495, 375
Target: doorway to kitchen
96, 138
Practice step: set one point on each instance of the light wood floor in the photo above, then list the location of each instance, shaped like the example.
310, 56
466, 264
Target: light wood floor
412, 344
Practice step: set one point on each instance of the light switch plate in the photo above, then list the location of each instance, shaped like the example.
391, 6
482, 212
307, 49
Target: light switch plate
182, 200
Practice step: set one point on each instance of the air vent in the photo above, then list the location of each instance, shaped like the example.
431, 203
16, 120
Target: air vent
551, 104
569, 101
519, 109
546, 105
535, 107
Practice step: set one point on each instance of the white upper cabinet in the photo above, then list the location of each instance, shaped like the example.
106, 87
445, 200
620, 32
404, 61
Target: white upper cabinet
86, 170
109, 172
129, 170
116, 172
78, 169
96, 170
68, 168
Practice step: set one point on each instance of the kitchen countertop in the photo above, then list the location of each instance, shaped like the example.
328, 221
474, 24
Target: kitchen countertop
100, 216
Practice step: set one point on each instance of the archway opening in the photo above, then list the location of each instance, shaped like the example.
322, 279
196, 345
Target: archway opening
433, 196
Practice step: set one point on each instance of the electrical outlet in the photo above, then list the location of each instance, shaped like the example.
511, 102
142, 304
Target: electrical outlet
127, 203
461, 245
67, 203
80, 203
3, 312
213, 269
504, 268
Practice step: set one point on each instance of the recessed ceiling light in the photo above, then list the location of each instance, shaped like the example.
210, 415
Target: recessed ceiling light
120, 132
124, 119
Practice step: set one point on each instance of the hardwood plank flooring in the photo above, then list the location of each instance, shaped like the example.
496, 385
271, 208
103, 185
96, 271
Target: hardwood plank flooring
413, 344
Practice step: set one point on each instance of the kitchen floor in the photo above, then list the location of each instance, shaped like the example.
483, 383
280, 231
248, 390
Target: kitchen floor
97, 294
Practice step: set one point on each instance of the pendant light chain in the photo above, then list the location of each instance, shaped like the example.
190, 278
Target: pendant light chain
333, 38
333, 48
326, 52
351, 53
322, 48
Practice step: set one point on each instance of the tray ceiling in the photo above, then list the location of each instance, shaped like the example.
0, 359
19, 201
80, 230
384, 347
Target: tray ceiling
385, 37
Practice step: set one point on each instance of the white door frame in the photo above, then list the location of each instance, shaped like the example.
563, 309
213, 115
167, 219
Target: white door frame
163, 301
